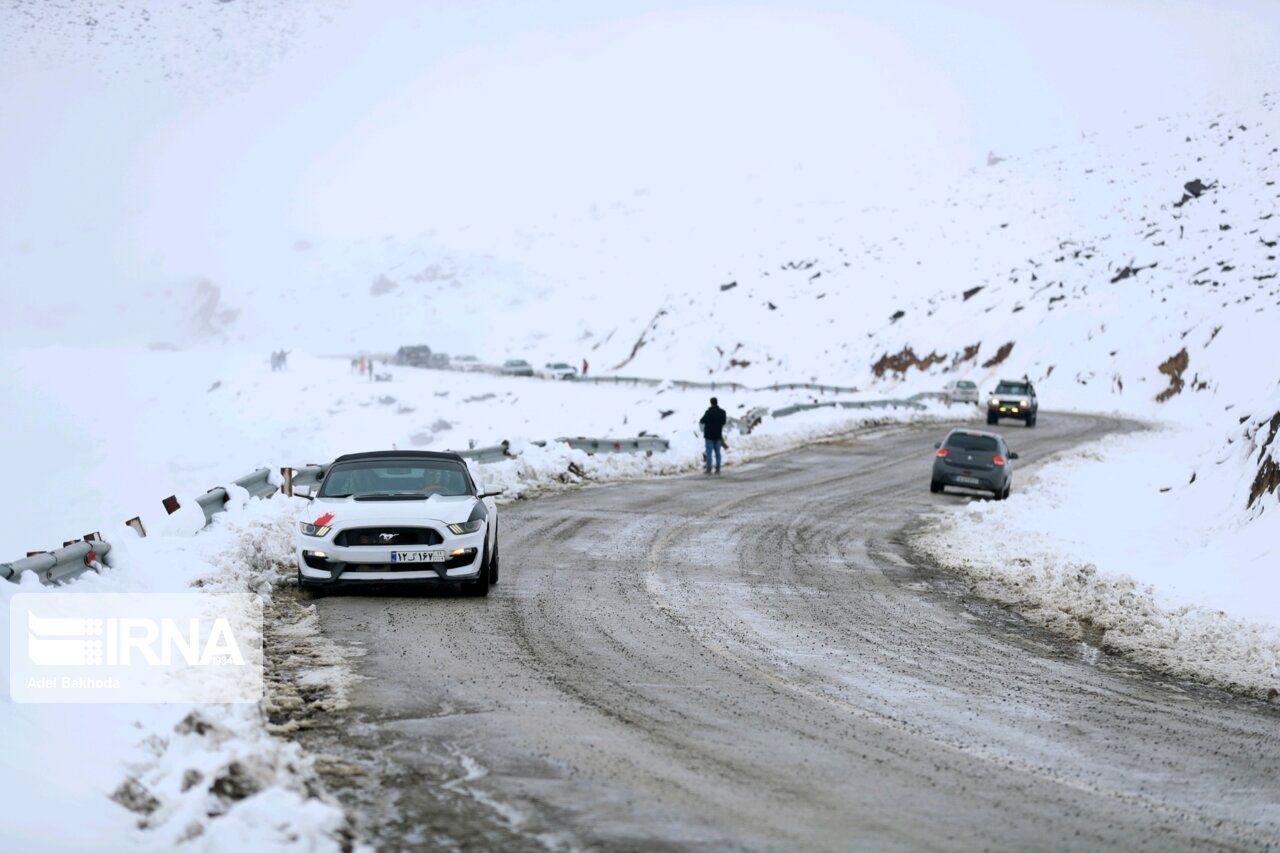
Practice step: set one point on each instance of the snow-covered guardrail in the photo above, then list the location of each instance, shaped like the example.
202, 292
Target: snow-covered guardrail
646, 444
618, 380
67, 562
908, 403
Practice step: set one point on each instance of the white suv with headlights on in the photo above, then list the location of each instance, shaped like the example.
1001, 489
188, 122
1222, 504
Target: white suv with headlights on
1013, 398
399, 517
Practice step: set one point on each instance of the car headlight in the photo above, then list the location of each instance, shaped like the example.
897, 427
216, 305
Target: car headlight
1024, 403
993, 402
467, 526
314, 530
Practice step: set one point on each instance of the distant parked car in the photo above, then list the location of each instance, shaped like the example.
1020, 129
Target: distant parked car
465, 362
1013, 398
960, 391
439, 361
517, 367
560, 370
973, 460
413, 356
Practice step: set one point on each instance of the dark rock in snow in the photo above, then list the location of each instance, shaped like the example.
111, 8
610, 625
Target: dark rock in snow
730, 286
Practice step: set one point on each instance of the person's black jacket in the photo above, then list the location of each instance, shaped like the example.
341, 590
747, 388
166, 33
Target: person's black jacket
713, 424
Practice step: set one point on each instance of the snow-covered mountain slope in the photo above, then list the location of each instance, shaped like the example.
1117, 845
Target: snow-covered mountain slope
1092, 267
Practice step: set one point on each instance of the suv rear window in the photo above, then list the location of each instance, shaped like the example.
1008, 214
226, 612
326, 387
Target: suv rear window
964, 441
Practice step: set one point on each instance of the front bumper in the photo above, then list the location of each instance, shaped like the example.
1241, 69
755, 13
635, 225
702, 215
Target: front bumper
1006, 409
370, 564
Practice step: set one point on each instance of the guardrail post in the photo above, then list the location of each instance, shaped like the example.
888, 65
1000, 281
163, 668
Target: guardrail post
136, 524
287, 486
171, 504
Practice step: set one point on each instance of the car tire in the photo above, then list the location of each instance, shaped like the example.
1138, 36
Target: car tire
493, 563
935, 486
1031, 421
479, 587
992, 420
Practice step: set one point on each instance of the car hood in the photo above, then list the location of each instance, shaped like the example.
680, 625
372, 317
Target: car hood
343, 512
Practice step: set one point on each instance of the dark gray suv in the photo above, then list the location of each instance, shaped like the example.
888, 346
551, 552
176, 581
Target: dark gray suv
1013, 398
974, 460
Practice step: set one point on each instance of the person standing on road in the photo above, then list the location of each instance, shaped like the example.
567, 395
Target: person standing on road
713, 431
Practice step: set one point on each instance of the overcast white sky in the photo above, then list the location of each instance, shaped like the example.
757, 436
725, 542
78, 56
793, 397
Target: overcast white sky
151, 142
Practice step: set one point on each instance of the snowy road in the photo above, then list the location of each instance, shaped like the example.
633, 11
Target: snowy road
755, 661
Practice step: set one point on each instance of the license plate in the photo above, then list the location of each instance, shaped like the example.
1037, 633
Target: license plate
968, 480
418, 556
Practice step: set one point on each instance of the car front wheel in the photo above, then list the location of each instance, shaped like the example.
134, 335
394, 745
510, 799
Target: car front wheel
479, 587
992, 420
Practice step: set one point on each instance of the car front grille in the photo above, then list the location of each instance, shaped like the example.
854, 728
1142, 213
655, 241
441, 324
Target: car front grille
391, 537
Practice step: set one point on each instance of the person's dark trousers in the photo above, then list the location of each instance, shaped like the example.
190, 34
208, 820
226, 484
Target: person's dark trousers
713, 446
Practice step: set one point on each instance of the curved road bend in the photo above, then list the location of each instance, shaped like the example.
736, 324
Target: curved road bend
755, 662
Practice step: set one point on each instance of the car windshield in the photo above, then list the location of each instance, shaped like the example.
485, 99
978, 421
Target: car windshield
964, 383
424, 477
965, 441
1013, 388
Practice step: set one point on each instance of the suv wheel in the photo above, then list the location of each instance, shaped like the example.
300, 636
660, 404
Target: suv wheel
1031, 421
493, 563
992, 420
935, 486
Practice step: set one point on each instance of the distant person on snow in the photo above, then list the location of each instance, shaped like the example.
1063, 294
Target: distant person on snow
584, 367
713, 431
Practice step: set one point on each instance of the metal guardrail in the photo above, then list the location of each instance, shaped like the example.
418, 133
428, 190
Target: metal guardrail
618, 380
809, 386
65, 563
646, 444
485, 455
912, 402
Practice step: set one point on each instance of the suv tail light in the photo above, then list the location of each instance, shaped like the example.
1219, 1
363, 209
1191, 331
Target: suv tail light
997, 460
942, 451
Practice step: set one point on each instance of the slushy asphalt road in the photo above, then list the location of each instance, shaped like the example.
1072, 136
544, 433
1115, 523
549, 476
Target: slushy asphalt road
759, 661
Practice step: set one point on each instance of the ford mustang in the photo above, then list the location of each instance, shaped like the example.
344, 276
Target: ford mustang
396, 517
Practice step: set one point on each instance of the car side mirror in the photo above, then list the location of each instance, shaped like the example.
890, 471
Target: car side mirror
1012, 455
937, 445
484, 495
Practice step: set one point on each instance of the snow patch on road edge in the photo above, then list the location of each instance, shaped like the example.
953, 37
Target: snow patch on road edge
1073, 550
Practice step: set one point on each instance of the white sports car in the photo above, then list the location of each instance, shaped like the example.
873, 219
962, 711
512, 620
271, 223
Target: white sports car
399, 516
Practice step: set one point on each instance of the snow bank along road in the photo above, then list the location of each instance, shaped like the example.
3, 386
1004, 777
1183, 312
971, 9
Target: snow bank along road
754, 661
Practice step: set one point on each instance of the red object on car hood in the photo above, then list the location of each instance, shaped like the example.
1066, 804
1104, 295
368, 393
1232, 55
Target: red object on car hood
323, 520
